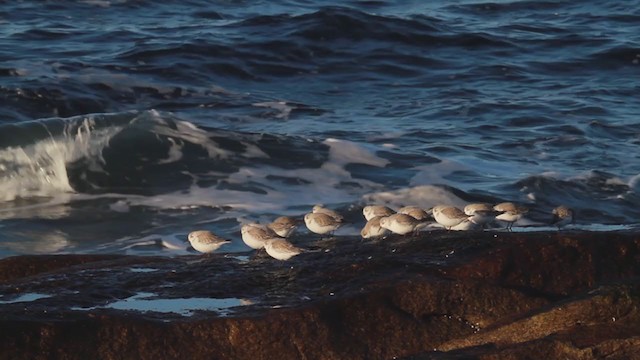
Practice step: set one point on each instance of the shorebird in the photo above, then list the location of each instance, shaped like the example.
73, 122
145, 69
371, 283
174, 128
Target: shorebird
448, 216
205, 241
465, 226
401, 223
283, 226
562, 215
321, 223
373, 228
281, 249
510, 213
319, 209
254, 235
414, 211
371, 211
480, 213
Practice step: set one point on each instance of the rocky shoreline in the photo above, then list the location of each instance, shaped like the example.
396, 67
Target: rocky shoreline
440, 295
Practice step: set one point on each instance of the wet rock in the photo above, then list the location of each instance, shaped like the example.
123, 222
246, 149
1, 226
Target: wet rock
439, 295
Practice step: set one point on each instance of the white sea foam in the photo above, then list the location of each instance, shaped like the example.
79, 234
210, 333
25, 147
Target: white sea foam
38, 242
320, 185
120, 206
55, 207
39, 169
424, 196
188, 132
281, 106
169, 243
436, 173
175, 153
615, 181
344, 152
634, 183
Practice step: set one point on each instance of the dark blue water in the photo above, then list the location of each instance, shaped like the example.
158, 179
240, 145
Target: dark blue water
127, 124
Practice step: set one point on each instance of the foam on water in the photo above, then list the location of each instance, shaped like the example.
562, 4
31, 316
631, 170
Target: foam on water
167, 243
282, 107
343, 152
53, 207
46, 241
173, 177
40, 169
189, 132
436, 173
313, 185
425, 196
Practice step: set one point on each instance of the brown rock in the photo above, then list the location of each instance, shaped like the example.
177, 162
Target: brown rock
441, 295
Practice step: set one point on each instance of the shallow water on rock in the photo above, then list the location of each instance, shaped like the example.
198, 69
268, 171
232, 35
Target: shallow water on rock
145, 302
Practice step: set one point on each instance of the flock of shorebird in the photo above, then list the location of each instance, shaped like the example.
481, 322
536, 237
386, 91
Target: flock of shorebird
381, 220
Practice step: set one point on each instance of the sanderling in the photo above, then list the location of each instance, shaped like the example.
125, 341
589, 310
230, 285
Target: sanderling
401, 223
283, 226
417, 212
371, 211
510, 213
281, 249
448, 216
373, 228
321, 223
562, 216
254, 235
480, 213
205, 241
466, 225
319, 209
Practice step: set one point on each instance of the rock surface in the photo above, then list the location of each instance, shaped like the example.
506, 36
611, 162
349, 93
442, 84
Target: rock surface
444, 295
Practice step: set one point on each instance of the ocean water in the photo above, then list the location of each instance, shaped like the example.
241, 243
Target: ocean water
126, 124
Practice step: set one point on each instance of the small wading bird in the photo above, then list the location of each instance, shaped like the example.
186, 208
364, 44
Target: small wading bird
254, 235
414, 211
321, 223
510, 213
371, 211
283, 226
319, 209
281, 249
205, 241
448, 216
562, 216
373, 229
480, 214
401, 224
